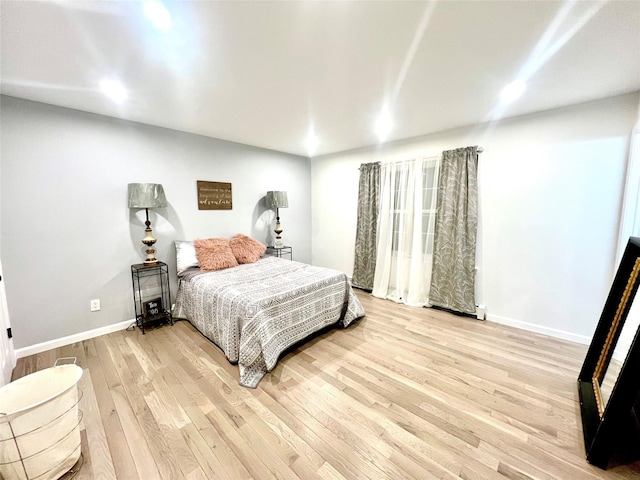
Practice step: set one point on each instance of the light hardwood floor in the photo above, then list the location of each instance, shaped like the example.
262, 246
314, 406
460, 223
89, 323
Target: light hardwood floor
405, 393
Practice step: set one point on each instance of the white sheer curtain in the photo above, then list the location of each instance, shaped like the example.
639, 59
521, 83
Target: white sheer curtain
406, 221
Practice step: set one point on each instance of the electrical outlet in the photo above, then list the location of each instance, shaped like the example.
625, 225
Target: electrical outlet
95, 305
481, 312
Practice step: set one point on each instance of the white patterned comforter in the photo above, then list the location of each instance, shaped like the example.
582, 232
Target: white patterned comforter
254, 312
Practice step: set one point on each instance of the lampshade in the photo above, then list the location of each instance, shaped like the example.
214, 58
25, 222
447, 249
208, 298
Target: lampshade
277, 200
147, 195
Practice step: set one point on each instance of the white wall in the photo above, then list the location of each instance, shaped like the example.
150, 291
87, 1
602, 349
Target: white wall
550, 196
550, 193
67, 235
7, 354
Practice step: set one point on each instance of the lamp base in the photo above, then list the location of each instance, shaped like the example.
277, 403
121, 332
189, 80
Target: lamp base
278, 241
149, 240
151, 256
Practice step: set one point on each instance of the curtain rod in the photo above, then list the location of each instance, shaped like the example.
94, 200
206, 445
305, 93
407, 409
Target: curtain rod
479, 150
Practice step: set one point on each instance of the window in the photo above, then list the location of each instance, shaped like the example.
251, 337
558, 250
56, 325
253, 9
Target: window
403, 211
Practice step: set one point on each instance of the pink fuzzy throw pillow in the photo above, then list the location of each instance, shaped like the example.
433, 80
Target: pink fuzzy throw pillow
246, 249
214, 254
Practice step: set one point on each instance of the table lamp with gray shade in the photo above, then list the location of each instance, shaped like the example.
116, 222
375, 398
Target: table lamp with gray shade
277, 200
147, 195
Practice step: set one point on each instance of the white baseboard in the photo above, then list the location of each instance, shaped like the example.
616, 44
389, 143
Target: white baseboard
532, 327
77, 337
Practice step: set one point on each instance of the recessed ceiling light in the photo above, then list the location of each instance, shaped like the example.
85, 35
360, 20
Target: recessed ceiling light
512, 91
312, 143
114, 90
383, 124
158, 14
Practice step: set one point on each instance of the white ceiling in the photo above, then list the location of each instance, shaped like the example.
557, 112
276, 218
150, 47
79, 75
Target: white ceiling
264, 73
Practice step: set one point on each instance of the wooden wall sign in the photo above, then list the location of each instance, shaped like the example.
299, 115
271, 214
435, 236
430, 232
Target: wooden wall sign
214, 195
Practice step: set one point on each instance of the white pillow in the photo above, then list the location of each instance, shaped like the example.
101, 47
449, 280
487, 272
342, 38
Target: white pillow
185, 256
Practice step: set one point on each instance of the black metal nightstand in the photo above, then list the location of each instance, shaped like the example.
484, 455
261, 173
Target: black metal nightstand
151, 294
280, 252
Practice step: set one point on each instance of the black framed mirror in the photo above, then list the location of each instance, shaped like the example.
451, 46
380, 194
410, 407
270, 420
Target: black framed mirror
609, 382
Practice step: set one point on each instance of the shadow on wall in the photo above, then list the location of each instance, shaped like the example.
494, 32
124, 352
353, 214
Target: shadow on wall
165, 225
263, 221
166, 228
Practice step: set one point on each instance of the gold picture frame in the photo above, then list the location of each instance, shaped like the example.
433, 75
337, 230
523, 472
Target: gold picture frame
609, 384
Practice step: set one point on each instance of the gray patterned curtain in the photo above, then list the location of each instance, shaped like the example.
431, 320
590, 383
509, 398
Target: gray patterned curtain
364, 265
454, 249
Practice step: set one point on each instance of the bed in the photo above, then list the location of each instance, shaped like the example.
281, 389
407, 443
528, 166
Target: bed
256, 311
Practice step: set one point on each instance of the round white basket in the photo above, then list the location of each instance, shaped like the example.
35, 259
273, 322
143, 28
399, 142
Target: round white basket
40, 424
